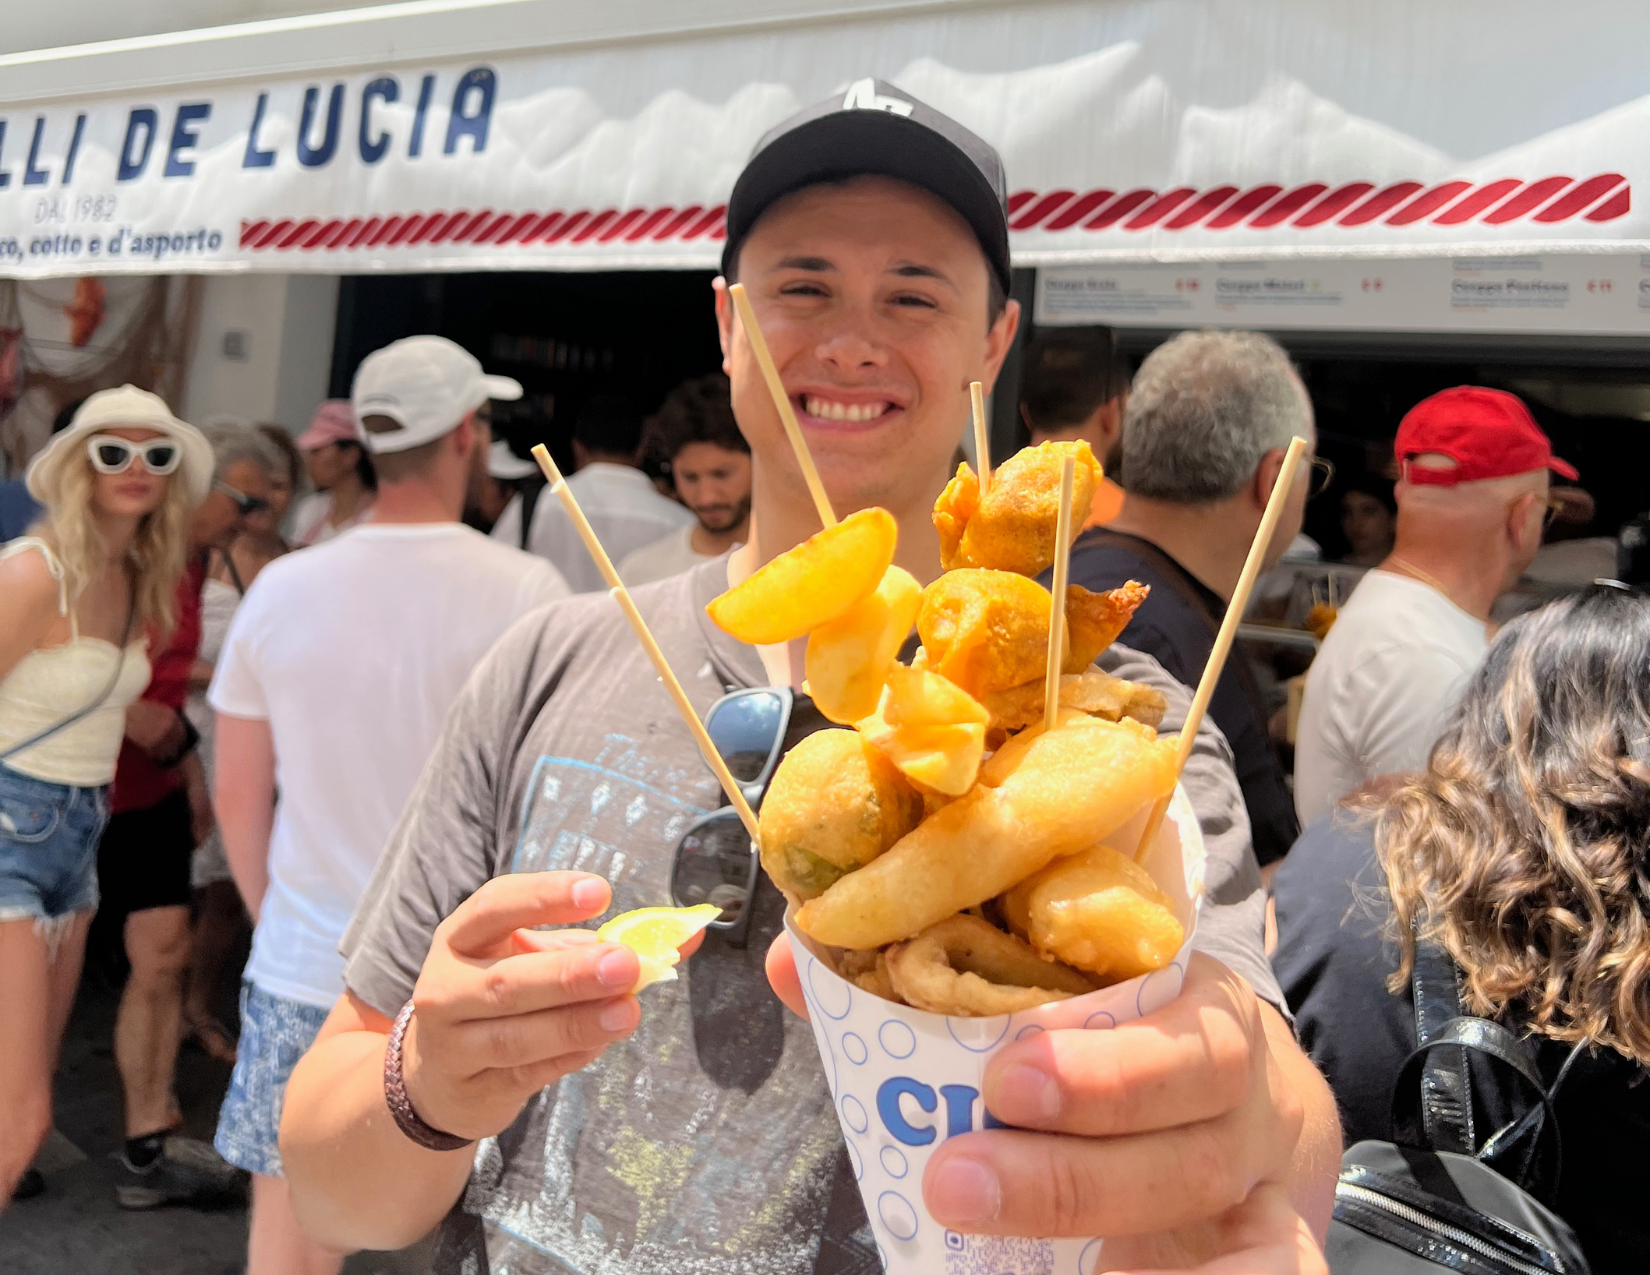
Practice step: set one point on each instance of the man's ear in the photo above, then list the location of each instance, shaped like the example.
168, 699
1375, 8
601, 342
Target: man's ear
1519, 522
724, 322
1266, 477
998, 342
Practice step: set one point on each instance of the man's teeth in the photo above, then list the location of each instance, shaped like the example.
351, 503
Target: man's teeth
830, 411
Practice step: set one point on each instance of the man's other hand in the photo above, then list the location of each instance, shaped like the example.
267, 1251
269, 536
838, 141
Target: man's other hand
502, 1010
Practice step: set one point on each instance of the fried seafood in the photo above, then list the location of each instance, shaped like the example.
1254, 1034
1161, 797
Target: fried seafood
835, 805
1090, 691
987, 631
869, 972
967, 966
813, 583
1013, 527
1054, 793
1098, 910
849, 658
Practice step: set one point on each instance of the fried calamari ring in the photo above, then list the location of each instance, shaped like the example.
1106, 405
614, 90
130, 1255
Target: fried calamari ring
966, 966
868, 971
1013, 527
1091, 691
1099, 911
1042, 795
987, 631
834, 804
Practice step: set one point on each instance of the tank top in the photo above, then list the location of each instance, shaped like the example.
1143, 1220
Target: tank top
51, 683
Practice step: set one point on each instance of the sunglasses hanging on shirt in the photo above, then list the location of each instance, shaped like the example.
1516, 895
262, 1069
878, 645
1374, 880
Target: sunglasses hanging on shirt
715, 860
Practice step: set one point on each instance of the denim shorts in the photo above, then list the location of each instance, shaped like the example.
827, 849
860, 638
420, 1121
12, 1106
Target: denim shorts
48, 847
275, 1032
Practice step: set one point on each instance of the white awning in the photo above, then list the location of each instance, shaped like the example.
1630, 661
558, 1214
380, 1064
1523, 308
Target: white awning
538, 134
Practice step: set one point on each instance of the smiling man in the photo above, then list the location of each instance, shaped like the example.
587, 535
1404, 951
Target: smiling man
503, 1077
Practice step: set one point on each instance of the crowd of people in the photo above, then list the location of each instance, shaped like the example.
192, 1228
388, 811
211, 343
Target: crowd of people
397, 726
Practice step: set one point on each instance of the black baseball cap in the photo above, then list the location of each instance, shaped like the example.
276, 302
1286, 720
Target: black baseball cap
876, 128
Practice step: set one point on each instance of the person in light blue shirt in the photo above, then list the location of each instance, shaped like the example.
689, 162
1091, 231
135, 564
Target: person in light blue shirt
18, 509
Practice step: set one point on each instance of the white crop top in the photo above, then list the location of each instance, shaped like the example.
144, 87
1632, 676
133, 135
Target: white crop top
51, 683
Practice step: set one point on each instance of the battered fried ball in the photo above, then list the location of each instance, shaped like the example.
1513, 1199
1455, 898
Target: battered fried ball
1098, 910
987, 631
1013, 527
966, 966
834, 804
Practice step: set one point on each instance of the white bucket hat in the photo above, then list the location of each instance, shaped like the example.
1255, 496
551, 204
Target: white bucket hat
131, 407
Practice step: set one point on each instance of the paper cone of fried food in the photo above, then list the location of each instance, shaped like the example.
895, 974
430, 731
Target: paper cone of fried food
904, 1080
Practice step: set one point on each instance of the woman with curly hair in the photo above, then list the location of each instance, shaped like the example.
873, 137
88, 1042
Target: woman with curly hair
78, 595
1523, 851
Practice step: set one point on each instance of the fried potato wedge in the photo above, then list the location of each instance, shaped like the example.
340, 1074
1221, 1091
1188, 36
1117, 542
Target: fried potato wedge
1099, 911
1091, 691
849, 657
931, 729
812, 584
967, 967
834, 804
987, 631
1055, 792
1013, 526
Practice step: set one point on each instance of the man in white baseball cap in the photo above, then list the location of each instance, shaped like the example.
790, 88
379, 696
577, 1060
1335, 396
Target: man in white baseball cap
334, 681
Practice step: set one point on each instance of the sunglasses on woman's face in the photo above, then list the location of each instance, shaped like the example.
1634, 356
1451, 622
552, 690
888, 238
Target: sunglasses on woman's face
715, 860
114, 455
248, 505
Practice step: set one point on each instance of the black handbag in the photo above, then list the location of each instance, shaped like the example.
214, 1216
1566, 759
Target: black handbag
1435, 1198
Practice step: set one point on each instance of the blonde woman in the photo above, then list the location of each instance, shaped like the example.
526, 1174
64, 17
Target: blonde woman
78, 593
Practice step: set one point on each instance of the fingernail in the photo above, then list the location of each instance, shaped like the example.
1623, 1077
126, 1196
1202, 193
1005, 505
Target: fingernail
1027, 1093
617, 969
590, 894
964, 1192
616, 1017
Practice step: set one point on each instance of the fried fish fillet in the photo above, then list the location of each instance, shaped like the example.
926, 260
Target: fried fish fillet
1090, 691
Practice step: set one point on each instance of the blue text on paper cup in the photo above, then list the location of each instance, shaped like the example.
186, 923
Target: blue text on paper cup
913, 1129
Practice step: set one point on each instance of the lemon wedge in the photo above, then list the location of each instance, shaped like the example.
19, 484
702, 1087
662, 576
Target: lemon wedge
655, 934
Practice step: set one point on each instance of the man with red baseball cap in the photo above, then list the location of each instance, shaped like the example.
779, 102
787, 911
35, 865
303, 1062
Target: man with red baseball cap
1472, 498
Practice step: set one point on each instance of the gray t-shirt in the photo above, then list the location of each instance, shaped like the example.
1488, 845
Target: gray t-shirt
707, 1142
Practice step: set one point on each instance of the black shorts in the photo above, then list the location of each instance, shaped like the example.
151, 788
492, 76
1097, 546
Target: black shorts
143, 859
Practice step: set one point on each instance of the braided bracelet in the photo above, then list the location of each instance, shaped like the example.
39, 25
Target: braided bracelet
395, 1094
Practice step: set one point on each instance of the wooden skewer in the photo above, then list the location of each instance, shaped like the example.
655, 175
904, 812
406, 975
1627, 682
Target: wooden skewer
982, 438
621, 595
1229, 627
782, 403
1057, 612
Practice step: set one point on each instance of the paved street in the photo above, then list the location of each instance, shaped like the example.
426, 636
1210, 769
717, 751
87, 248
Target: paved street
75, 1227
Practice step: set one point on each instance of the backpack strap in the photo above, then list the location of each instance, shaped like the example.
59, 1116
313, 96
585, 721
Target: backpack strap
1445, 1085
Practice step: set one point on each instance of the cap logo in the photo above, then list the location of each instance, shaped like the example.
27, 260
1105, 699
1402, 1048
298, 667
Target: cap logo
863, 96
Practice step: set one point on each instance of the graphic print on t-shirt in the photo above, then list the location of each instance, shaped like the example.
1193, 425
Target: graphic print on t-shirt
706, 1142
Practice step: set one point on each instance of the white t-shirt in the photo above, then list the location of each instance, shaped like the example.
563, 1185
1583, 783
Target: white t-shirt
1380, 688
668, 556
353, 651
624, 510
310, 524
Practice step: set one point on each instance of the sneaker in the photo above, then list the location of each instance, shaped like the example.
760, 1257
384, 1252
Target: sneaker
187, 1172
31, 1184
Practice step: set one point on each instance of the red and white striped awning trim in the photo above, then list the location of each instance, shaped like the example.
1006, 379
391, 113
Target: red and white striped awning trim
1550, 199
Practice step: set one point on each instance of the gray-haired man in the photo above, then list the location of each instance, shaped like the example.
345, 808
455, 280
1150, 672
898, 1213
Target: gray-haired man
1209, 417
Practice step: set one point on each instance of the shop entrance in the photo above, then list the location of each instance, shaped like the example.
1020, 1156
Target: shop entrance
565, 337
